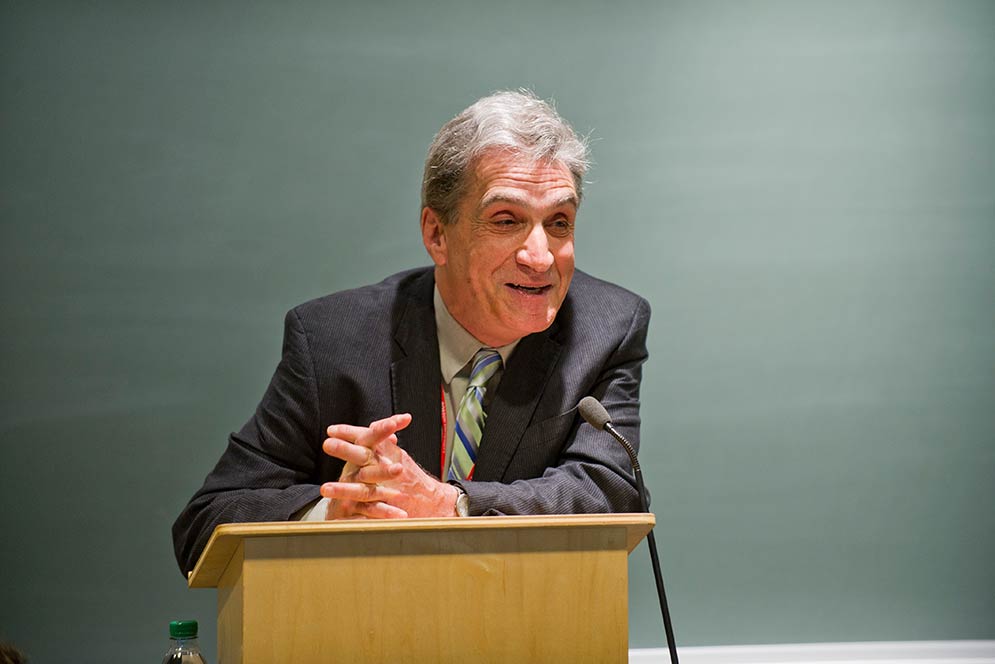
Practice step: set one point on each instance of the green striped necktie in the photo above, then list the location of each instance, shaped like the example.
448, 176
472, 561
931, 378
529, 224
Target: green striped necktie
471, 416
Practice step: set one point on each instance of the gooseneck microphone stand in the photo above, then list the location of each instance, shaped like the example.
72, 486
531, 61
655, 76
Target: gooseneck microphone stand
596, 415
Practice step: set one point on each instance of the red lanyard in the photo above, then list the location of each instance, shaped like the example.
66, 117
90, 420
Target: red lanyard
442, 458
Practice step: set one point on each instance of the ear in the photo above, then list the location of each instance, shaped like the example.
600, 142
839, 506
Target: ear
433, 235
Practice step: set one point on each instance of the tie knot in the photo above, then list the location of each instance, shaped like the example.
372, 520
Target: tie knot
485, 364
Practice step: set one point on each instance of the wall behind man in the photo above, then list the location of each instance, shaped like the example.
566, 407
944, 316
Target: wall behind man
803, 191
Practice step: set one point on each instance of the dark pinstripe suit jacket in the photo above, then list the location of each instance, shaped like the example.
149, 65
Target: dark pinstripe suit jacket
364, 354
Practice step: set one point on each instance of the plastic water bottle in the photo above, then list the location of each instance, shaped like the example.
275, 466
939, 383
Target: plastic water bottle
183, 646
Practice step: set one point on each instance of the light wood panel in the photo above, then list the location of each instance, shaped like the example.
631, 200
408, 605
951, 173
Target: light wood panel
493, 589
225, 539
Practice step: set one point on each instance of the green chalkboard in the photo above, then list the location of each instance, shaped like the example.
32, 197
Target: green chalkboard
803, 191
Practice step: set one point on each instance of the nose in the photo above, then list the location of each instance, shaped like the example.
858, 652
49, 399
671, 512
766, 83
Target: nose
534, 253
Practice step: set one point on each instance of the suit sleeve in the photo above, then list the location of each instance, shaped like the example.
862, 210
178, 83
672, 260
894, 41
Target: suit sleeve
268, 471
592, 473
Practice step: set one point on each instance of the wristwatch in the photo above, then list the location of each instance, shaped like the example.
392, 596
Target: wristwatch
462, 501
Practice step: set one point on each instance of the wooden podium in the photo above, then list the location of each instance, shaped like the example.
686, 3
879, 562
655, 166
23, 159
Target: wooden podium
480, 589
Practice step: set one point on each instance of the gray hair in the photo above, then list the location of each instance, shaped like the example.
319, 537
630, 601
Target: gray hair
516, 121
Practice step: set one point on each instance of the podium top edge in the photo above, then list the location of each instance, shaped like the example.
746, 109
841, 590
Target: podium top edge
225, 538
278, 528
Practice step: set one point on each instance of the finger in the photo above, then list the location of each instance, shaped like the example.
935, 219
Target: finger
384, 430
361, 436
348, 452
339, 509
348, 432
343, 510
380, 511
371, 435
391, 424
361, 493
378, 473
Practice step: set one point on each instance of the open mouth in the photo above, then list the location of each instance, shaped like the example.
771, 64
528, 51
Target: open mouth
530, 290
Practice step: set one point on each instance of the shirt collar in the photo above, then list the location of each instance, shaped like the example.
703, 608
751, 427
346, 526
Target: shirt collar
457, 346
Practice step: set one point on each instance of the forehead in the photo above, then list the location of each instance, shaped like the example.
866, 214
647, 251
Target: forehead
509, 177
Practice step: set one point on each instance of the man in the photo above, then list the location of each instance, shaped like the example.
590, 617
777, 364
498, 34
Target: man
451, 391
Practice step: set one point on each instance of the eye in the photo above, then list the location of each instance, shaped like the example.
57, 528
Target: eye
560, 227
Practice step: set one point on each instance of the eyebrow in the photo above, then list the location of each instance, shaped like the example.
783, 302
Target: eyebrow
568, 199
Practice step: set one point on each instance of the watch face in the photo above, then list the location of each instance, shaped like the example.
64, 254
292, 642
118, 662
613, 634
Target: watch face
462, 505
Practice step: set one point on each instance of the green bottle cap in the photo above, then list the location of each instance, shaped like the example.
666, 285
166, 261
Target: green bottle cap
183, 629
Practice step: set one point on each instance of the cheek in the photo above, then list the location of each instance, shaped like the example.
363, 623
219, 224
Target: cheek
489, 261
565, 255
565, 267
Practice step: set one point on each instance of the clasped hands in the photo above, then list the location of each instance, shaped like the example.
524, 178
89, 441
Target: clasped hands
380, 480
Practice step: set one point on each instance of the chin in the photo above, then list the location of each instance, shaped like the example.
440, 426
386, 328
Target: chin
534, 325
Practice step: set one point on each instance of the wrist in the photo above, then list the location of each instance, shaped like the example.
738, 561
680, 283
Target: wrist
461, 502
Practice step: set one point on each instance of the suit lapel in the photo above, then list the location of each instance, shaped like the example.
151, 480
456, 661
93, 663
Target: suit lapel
509, 414
414, 376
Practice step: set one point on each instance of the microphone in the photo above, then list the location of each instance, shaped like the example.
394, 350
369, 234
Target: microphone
597, 416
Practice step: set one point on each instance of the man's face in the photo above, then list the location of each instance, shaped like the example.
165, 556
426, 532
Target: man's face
504, 265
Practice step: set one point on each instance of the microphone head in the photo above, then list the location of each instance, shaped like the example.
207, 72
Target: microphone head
592, 411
